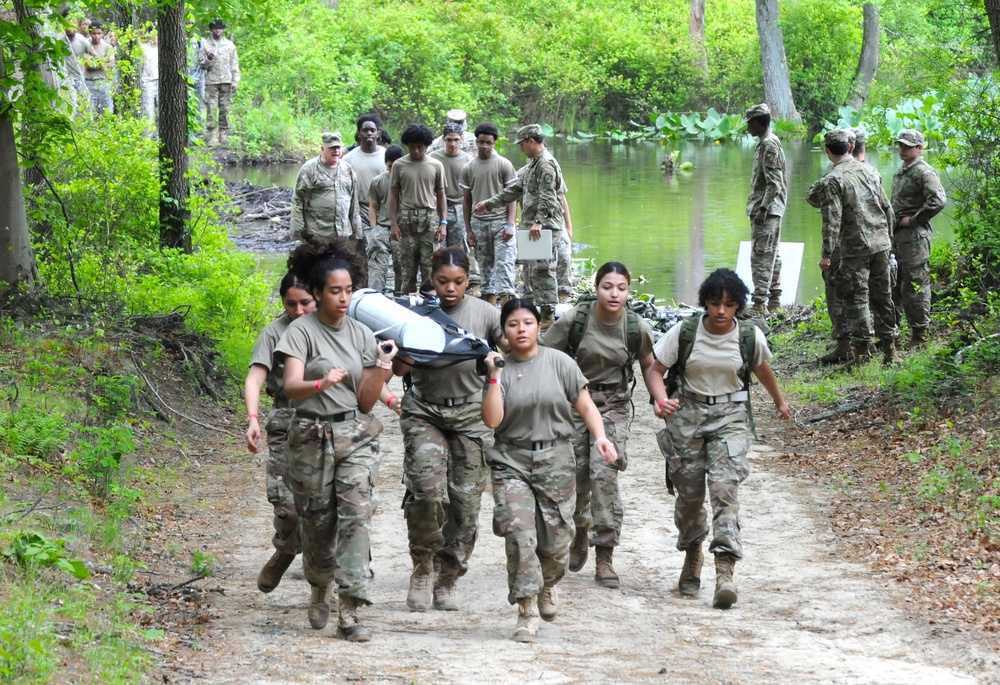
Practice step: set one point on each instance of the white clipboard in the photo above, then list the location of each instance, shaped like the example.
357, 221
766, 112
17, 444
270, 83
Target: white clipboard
534, 249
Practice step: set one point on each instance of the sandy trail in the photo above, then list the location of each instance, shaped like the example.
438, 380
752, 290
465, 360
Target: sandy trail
804, 614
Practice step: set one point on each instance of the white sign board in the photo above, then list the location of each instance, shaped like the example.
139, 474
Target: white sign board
791, 267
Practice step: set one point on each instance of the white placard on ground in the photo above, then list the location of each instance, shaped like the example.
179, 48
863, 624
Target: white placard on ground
534, 249
791, 267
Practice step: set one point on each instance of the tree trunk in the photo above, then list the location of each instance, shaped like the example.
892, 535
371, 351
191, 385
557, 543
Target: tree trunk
123, 15
17, 263
993, 14
777, 85
868, 62
696, 28
173, 128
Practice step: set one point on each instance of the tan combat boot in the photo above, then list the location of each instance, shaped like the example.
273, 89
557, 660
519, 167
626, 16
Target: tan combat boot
490, 299
841, 353
918, 337
504, 299
889, 353
420, 596
526, 629
860, 355
690, 580
319, 606
605, 573
563, 298
725, 588
759, 309
548, 318
548, 603
444, 591
773, 304
349, 624
273, 570
578, 550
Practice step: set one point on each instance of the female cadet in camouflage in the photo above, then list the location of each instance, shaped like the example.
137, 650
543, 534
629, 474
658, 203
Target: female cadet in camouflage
600, 336
445, 441
707, 430
530, 403
334, 373
298, 301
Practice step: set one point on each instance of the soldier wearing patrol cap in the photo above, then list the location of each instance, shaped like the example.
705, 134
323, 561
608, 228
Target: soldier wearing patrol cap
765, 207
459, 117
857, 220
325, 198
858, 151
218, 58
539, 189
917, 196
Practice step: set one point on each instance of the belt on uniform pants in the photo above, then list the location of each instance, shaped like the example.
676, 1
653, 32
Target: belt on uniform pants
533, 445
418, 211
332, 418
604, 387
741, 396
448, 401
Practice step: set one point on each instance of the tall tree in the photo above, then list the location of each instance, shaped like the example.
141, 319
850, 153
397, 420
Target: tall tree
993, 14
868, 62
173, 127
696, 29
17, 263
777, 84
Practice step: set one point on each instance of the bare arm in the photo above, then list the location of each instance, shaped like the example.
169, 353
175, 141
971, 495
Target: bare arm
492, 408
566, 216
766, 377
374, 378
653, 376
372, 213
595, 424
394, 232
442, 209
251, 397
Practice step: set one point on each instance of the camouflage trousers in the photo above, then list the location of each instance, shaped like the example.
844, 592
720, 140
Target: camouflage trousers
912, 292
540, 277
598, 501
286, 520
496, 256
218, 100
765, 262
867, 294
457, 236
533, 495
564, 264
707, 444
416, 246
101, 101
444, 470
331, 471
840, 327
383, 257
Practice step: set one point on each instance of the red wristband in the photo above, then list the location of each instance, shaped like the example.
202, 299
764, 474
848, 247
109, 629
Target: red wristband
319, 382
494, 381
251, 416
659, 405
388, 402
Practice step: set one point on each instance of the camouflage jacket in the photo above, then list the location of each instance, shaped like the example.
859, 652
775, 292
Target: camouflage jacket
917, 192
325, 201
857, 215
539, 189
224, 67
768, 180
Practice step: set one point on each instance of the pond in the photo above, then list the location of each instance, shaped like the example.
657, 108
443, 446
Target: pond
671, 230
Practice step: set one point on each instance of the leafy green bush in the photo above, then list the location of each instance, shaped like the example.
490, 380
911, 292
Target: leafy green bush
32, 550
97, 458
31, 431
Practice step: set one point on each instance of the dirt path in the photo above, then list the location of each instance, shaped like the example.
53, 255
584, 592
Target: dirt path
804, 614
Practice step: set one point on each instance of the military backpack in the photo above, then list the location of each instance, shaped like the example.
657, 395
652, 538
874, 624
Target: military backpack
578, 327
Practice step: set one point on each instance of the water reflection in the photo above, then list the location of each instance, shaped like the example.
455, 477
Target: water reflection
673, 230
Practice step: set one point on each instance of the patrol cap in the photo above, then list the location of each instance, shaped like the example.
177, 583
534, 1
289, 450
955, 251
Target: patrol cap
757, 111
529, 131
859, 136
457, 115
333, 140
910, 137
216, 24
837, 135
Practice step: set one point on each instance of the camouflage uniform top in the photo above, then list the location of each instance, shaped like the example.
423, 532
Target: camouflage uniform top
768, 180
917, 192
225, 68
539, 189
325, 201
857, 215
468, 143
263, 355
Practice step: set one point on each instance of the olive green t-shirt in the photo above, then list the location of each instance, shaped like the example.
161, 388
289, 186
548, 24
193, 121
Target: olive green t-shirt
263, 355
538, 403
418, 182
350, 346
486, 178
379, 191
452, 173
482, 320
603, 349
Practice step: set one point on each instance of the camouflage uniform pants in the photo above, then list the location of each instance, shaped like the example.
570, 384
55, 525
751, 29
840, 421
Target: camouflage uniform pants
331, 470
101, 101
867, 295
598, 501
457, 236
912, 293
708, 445
218, 99
444, 469
534, 513
542, 277
379, 250
286, 520
564, 265
416, 246
496, 256
839, 325
765, 262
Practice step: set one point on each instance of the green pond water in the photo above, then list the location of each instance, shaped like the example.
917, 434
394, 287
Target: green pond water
671, 230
